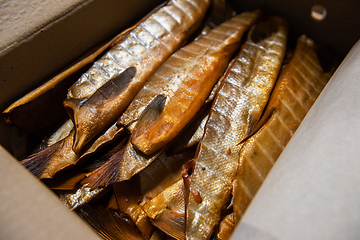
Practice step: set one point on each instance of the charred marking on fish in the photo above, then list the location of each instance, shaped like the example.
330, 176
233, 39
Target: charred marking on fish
196, 195
228, 152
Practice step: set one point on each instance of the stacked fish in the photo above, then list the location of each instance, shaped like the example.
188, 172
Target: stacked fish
170, 137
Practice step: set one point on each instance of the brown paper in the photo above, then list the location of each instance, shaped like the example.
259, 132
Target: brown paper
312, 192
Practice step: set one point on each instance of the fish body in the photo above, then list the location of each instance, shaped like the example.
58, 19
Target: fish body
237, 107
144, 48
299, 84
167, 210
181, 85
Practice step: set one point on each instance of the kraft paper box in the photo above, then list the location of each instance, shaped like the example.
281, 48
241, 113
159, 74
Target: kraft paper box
311, 193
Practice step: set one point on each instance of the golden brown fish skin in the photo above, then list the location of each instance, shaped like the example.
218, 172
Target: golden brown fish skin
167, 210
146, 47
46, 163
141, 188
238, 106
185, 79
299, 84
226, 227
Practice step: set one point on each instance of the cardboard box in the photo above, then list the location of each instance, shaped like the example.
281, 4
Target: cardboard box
38, 39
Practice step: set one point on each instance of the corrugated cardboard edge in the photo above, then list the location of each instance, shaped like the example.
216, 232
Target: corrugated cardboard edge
312, 191
29, 210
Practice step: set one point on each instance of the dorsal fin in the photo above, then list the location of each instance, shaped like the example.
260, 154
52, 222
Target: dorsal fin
150, 114
106, 174
113, 87
253, 129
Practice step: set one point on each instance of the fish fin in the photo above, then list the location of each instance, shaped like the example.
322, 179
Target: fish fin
106, 174
112, 87
101, 156
109, 224
172, 223
37, 162
254, 128
150, 114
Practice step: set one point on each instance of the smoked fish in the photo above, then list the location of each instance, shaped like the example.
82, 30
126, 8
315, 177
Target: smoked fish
108, 224
100, 96
298, 86
125, 165
167, 210
134, 193
178, 89
237, 108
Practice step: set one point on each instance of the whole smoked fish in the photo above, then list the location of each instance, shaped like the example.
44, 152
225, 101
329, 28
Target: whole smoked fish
105, 90
99, 96
237, 108
178, 89
299, 84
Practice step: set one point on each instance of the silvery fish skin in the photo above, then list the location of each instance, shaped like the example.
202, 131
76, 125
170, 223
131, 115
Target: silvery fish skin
299, 84
237, 107
82, 196
61, 133
143, 50
183, 83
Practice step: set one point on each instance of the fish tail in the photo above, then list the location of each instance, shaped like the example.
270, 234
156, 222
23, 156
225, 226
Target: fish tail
106, 174
111, 226
37, 162
172, 223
